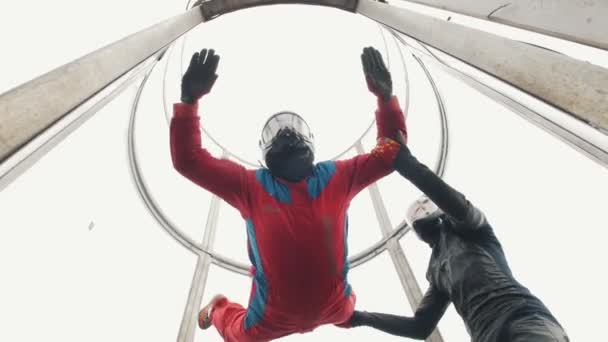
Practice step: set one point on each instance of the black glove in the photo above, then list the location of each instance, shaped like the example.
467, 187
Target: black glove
200, 76
376, 74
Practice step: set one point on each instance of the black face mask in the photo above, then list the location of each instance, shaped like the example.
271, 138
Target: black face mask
289, 157
428, 229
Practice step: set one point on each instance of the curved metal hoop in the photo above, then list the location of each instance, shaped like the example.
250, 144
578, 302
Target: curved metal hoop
253, 164
214, 8
227, 263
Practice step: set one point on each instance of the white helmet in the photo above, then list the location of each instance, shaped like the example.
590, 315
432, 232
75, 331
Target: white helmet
422, 208
426, 219
285, 120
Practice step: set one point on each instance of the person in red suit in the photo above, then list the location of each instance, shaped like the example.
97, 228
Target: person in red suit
295, 210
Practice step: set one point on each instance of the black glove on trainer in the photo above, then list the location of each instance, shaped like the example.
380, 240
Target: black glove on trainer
376, 74
200, 76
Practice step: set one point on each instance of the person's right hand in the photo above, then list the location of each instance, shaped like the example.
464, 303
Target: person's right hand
376, 74
200, 76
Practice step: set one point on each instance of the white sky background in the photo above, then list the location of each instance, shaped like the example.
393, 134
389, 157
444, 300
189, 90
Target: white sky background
127, 280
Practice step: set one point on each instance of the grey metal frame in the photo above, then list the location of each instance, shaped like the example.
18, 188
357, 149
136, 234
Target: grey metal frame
238, 267
577, 87
69, 86
188, 326
225, 262
578, 21
30, 153
389, 241
242, 160
214, 8
578, 135
402, 266
75, 91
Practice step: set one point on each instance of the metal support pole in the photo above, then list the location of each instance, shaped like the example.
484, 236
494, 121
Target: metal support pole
32, 152
404, 271
32, 108
189, 323
579, 88
214, 8
581, 137
579, 21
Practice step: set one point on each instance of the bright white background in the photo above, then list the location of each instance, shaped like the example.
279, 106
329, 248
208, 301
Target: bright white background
127, 280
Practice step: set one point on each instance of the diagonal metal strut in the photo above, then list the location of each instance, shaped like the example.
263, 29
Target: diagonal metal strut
402, 266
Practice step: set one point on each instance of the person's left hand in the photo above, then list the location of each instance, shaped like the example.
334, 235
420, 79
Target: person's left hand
376, 74
200, 76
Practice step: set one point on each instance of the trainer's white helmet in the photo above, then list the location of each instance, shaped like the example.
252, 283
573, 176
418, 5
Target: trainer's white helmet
425, 217
422, 208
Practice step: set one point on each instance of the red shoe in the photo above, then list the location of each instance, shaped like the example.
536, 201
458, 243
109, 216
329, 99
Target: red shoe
204, 316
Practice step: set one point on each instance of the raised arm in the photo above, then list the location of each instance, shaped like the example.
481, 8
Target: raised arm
367, 168
448, 199
429, 312
222, 177
390, 120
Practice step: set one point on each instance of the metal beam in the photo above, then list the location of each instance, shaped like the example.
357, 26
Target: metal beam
30, 109
579, 136
28, 155
404, 271
189, 320
189, 323
577, 87
214, 8
579, 21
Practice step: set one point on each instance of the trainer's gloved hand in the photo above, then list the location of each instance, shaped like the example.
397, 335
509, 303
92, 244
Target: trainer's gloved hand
376, 74
200, 76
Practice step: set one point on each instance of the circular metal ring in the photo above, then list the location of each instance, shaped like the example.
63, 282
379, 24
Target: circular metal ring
227, 263
252, 164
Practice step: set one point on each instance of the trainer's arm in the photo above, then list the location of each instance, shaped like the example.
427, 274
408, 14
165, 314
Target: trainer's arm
448, 199
429, 312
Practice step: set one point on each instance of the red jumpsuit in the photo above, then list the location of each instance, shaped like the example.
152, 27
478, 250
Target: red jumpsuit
297, 232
